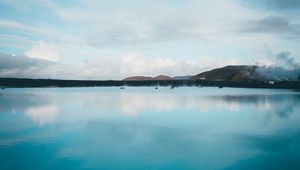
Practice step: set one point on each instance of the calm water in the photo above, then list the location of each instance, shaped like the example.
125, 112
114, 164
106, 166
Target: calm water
143, 128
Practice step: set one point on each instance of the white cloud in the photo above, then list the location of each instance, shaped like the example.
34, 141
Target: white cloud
44, 51
134, 64
136, 25
108, 68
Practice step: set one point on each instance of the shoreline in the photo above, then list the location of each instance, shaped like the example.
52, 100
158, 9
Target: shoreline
51, 83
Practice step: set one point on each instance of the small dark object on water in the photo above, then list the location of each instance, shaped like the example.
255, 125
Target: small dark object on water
156, 88
122, 87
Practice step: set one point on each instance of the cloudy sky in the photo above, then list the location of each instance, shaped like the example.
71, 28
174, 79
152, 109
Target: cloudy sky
98, 39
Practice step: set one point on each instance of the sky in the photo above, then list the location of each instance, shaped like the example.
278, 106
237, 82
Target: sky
98, 39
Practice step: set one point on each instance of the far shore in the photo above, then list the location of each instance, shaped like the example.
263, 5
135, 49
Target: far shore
31, 83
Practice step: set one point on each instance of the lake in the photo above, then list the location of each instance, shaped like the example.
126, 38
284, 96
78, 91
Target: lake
146, 128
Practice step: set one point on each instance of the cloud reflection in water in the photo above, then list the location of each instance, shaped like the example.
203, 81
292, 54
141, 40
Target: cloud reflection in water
43, 114
141, 128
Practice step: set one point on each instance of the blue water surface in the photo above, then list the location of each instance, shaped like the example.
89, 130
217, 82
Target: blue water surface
146, 128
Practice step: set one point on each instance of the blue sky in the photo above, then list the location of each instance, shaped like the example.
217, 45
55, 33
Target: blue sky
113, 39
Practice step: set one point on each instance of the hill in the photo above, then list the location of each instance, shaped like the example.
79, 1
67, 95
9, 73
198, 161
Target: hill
230, 73
139, 78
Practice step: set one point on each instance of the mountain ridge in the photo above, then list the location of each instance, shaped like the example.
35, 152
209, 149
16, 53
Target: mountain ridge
230, 73
227, 73
233, 73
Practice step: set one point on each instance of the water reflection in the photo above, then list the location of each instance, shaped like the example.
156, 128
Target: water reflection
159, 129
43, 108
40, 108
132, 104
42, 114
18, 103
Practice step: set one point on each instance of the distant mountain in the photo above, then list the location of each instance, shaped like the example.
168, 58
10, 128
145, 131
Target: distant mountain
138, 78
162, 77
235, 73
230, 73
182, 77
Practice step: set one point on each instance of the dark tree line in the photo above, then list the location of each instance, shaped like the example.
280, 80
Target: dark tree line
15, 82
